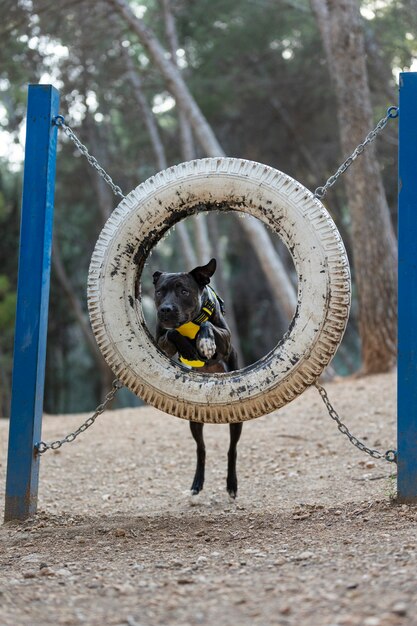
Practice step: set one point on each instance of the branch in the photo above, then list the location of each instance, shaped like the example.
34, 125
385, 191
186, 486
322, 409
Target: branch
176, 84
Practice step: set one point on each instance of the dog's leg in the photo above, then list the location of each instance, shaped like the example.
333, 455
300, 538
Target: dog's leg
198, 482
235, 432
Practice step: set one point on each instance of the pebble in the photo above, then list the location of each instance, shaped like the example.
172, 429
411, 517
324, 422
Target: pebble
303, 556
400, 608
352, 585
64, 571
201, 560
138, 566
285, 610
185, 581
301, 516
120, 532
31, 558
47, 571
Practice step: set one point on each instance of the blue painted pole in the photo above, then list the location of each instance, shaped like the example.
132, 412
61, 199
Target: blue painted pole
32, 303
407, 290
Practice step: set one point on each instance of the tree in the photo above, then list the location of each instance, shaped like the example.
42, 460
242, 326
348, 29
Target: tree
373, 241
271, 264
157, 146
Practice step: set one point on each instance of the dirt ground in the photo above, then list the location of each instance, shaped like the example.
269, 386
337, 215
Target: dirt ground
313, 538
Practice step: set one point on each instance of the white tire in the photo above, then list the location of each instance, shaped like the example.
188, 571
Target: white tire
138, 223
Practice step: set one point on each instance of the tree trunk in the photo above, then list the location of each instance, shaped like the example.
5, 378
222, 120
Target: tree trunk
186, 134
157, 147
145, 109
206, 245
204, 252
373, 241
262, 245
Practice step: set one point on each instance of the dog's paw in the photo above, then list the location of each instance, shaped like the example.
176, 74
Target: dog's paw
231, 486
198, 484
206, 347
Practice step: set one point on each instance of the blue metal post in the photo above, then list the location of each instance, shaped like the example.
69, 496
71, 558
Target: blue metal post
32, 303
407, 290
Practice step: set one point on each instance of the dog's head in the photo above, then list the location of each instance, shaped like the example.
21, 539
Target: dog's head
178, 297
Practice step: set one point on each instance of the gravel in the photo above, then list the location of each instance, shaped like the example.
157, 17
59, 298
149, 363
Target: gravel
314, 537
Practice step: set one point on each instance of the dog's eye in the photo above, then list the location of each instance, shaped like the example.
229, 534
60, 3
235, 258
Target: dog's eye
158, 293
185, 292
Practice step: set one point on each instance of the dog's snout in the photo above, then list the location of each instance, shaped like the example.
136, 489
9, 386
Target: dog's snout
168, 314
166, 309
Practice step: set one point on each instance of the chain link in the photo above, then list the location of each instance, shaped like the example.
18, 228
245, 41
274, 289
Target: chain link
392, 113
59, 121
42, 446
389, 455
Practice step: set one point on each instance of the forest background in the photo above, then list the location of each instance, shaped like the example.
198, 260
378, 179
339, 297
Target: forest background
145, 85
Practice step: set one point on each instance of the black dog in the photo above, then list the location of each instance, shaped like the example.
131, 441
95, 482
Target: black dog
191, 324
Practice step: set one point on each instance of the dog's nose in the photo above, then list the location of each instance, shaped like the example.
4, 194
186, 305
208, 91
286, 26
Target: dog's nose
166, 309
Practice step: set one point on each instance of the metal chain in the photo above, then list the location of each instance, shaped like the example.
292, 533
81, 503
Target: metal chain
389, 455
42, 446
59, 121
392, 112
320, 192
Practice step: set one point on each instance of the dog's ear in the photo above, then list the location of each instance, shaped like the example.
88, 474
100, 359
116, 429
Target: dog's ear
156, 276
203, 273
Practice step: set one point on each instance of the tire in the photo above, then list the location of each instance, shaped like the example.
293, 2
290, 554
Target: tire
139, 222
